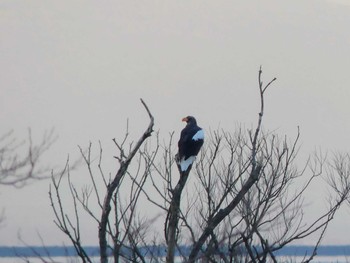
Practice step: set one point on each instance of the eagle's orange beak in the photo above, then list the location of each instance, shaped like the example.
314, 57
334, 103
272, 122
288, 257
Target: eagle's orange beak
185, 119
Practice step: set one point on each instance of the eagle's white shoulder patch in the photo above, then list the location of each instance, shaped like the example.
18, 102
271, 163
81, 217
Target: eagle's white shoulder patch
198, 136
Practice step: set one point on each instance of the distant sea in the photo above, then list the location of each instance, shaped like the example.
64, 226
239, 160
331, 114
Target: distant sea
326, 254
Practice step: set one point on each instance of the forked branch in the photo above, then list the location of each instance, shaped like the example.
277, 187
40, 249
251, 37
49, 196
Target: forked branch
112, 186
253, 177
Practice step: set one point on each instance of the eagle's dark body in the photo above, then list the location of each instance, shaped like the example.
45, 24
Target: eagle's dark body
191, 141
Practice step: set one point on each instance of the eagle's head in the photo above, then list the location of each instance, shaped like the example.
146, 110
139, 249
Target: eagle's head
190, 120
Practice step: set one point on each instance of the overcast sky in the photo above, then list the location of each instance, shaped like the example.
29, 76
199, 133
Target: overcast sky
81, 67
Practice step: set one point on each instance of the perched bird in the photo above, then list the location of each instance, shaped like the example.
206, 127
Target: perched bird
191, 141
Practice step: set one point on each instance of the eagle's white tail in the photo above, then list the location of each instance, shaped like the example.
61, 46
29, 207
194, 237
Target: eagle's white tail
184, 164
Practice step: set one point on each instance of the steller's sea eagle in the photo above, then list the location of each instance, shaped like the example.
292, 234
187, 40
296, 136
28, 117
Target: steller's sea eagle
191, 141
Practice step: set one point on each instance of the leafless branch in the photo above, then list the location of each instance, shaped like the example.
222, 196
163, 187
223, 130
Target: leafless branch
124, 162
18, 169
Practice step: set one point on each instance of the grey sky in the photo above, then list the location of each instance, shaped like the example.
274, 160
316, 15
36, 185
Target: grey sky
81, 67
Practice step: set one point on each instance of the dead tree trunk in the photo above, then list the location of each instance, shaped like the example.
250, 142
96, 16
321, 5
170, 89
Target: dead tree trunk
106, 208
172, 220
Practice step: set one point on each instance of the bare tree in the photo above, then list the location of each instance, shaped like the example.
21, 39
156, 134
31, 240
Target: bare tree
339, 174
118, 221
271, 214
19, 160
255, 167
216, 216
239, 203
244, 206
